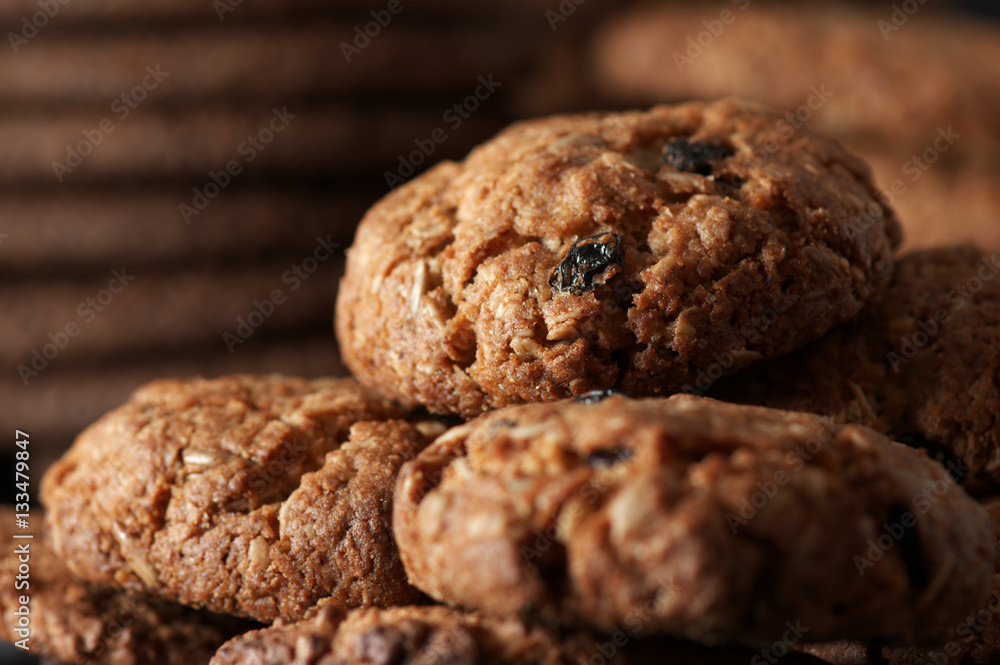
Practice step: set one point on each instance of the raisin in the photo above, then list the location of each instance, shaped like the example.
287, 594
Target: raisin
603, 459
595, 396
694, 156
589, 263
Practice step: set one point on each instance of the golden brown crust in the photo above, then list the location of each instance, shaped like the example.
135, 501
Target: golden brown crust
922, 366
74, 621
252, 495
729, 520
632, 250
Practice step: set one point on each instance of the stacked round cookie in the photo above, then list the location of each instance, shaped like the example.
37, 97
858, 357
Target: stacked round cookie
512, 476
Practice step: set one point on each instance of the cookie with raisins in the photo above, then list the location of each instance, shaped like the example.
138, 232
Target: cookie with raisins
646, 251
696, 518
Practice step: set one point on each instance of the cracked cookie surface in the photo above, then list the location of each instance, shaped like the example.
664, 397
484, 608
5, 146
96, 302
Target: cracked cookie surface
442, 636
73, 621
922, 365
720, 521
250, 495
634, 251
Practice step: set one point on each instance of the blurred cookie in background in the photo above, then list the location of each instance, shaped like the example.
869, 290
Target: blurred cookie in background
860, 75
939, 206
170, 166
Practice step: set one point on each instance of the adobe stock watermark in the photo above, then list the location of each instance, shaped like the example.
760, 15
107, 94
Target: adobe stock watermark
970, 627
248, 149
126, 616
779, 648
919, 164
606, 652
751, 332
87, 312
900, 524
795, 460
30, 25
901, 13
372, 29
792, 121
223, 7
958, 298
293, 278
454, 116
561, 13
122, 108
696, 44
611, 468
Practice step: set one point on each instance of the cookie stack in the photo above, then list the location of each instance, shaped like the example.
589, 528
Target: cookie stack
170, 167
514, 476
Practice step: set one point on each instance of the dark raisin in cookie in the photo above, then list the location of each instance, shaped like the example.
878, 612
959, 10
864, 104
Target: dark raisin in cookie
713, 521
637, 251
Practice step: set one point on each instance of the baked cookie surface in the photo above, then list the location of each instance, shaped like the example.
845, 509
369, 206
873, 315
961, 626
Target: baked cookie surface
635, 251
73, 621
921, 366
729, 521
438, 635
975, 640
250, 495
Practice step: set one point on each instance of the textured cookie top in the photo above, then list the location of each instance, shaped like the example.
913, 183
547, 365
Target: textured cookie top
922, 366
637, 250
720, 521
73, 621
250, 495
442, 636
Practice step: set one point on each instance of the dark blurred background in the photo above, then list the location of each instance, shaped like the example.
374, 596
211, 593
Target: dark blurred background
179, 179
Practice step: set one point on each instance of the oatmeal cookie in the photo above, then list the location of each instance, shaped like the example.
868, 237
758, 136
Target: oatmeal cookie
443, 636
724, 522
250, 495
628, 250
77, 622
975, 640
921, 366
